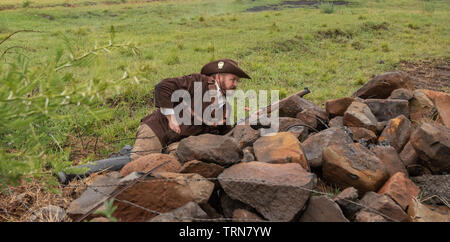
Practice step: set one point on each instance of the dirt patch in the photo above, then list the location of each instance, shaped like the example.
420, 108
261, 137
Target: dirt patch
429, 74
290, 4
84, 147
69, 5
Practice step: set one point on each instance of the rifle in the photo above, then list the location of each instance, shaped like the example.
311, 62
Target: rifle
270, 108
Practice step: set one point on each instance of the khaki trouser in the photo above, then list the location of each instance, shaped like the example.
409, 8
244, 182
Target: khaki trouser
146, 142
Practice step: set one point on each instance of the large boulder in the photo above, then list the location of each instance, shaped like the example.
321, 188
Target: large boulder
190, 212
322, 209
277, 191
401, 189
384, 206
353, 165
382, 85
358, 114
314, 145
282, 147
148, 162
432, 143
397, 132
210, 148
386, 109
390, 158
337, 107
163, 192
207, 170
95, 194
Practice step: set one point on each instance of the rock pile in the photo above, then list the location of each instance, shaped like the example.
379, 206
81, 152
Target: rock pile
380, 147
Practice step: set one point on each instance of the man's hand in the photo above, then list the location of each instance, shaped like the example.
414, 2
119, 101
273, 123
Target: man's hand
173, 123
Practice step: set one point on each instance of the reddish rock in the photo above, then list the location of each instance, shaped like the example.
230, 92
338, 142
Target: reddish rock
242, 215
336, 122
358, 114
245, 135
382, 85
359, 134
441, 101
207, 170
384, 206
432, 143
210, 148
148, 162
419, 212
280, 148
386, 109
401, 93
314, 145
421, 108
322, 209
397, 132
337, 107
277, 191
400, 189
353, 165
308, 118
390, 158
164, 193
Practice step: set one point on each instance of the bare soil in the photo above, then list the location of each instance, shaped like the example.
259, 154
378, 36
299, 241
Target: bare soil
291, 4
429, 74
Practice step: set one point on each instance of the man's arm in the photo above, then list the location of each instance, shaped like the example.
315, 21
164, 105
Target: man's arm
163, 95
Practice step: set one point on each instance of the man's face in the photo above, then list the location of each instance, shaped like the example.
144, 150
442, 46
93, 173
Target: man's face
228, 81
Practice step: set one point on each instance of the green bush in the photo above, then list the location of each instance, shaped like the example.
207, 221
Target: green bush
326, 7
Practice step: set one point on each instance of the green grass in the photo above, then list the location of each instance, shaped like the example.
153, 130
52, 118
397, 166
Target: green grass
333, 54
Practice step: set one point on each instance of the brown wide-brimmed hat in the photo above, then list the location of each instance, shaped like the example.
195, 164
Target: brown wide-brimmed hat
224, 66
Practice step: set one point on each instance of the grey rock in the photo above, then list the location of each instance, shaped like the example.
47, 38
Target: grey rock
211, 148
95, 194
386, 109
276, 191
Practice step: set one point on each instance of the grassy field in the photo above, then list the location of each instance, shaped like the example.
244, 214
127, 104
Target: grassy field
287, 49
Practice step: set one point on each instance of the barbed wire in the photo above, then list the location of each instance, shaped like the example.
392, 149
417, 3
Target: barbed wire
264, 182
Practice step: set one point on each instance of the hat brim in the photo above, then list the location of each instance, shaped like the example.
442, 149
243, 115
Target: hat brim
226, 67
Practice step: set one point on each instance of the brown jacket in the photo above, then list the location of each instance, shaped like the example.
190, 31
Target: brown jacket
163, 93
